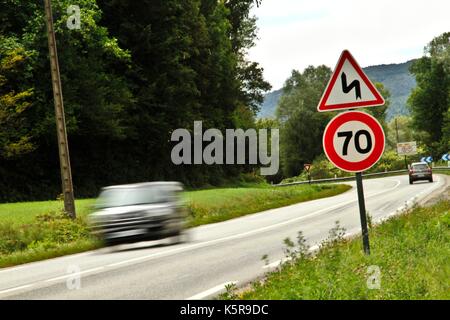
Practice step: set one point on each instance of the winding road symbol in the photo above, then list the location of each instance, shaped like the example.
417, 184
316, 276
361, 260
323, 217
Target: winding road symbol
347, 77
347, 88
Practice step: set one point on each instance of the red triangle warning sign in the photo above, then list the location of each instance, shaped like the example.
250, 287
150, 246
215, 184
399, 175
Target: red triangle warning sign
349, 87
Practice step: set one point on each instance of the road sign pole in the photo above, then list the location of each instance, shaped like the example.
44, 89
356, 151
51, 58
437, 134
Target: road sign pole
362, 213
63, 147
343, 92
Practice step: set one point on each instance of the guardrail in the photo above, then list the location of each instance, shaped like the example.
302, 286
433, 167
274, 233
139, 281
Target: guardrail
352, 177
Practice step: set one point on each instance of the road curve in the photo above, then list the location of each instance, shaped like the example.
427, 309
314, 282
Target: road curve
218, 254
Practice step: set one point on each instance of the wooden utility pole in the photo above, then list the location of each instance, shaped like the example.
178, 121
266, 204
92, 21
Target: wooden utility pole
63, 147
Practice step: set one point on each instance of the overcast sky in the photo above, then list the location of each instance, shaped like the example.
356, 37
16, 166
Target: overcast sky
296, 33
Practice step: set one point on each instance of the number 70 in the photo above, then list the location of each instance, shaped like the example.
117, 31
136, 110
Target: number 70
348, 135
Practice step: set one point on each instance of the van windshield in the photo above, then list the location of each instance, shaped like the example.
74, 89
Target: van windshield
121, 197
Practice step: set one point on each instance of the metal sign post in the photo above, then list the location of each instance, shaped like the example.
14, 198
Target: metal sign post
63, 147
307, 167
362, 213
406, 149
353, 141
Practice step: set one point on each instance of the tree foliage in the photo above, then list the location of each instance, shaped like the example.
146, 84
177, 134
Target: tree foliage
301, 125
15, 138
134, 72
430, 100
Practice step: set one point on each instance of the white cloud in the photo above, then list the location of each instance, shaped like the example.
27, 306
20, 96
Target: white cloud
297, 33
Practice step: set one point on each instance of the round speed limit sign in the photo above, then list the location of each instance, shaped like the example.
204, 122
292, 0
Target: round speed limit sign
354, 141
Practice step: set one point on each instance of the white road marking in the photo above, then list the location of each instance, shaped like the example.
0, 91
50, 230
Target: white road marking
211, 291
245, 234
411, 201
16, 288
273, 265
34, 284
12, 269
212, 242
224, 239
74, 274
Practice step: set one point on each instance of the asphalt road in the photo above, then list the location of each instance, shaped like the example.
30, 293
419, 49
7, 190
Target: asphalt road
217, 254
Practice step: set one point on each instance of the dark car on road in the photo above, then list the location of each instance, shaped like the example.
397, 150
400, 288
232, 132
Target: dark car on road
140, 212
420, 171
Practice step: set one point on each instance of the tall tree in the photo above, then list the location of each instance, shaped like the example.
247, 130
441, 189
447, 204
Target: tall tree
430, 100
405, 131
379, 112
243, 34
301, 125
188, 66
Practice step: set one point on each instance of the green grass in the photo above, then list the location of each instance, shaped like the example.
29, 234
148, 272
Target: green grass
206, 206
412, 252
34, 231
32, 255
209, 206
26, 212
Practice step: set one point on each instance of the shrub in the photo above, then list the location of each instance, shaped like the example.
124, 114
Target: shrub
11, 239
322, 168
48, 231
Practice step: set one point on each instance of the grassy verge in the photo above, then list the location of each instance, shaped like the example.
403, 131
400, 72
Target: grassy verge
26, 212
412, 253
208, 206
38, 230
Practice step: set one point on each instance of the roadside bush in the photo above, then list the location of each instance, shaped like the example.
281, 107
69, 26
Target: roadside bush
58, 228
252, 177
49, 230
11, 239
322, 168
390, 161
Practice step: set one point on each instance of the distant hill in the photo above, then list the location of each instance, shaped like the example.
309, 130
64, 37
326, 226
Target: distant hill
270, 104
395, 77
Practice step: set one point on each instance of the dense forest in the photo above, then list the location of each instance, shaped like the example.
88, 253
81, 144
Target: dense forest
430, 100
132, 73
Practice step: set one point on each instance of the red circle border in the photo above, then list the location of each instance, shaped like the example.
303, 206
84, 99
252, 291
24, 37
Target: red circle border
334, 125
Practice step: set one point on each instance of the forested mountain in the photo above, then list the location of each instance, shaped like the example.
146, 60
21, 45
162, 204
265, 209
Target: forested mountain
398, 80
395, 77
270, 103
